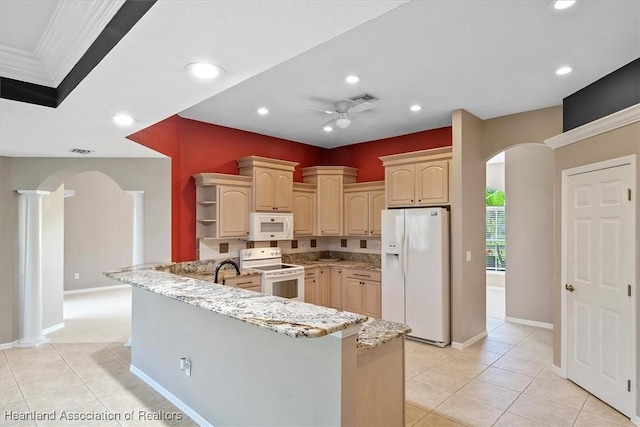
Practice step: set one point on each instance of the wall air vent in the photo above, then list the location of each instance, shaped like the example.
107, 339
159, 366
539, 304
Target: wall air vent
80, 151
363, 98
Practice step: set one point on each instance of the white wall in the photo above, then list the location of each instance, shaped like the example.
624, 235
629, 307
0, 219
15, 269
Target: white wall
98, 227
495, 175
529, 225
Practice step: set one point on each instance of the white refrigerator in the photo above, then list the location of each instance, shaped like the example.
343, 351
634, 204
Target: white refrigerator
415, 272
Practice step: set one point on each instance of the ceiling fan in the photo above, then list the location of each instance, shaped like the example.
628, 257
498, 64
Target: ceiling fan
345, 110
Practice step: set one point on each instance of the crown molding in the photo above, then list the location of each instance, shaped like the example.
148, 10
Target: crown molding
605, 124
72, 30
22, 65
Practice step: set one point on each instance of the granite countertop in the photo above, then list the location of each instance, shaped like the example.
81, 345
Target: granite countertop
288, 317
339, 263
377, 332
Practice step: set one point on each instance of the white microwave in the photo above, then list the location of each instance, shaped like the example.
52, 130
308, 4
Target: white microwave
268, 226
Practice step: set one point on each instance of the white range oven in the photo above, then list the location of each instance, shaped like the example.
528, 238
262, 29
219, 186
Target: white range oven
283, 280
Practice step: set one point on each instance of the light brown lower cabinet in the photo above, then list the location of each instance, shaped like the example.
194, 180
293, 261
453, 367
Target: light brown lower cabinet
324, 294
362, 292
249, 283
335, 293
311, 285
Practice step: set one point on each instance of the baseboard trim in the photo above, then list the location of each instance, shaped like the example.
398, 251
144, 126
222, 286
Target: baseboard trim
529, 322
170, 397
98, 289
469, 342
53, 328
557, 370
8, 345
635, 420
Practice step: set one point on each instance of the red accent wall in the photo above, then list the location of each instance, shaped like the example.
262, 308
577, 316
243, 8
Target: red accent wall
196, 147
364, 156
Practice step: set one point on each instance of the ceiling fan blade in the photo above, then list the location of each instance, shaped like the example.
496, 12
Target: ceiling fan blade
331, 123
320, 110
358, 108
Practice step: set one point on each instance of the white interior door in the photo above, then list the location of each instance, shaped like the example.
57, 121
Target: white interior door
599, 270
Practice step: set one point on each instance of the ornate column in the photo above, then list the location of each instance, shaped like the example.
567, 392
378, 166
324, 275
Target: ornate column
31, 268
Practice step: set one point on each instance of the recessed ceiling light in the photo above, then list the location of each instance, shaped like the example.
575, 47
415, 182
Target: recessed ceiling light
563, 70
263, 111
203, 70
563, 4
415, 108
123, 120
353, 79
328, 128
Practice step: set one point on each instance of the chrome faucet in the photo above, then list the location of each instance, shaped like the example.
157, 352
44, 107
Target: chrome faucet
228, 261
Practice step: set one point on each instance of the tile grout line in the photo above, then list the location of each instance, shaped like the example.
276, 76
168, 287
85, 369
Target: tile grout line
24, 399
85, 384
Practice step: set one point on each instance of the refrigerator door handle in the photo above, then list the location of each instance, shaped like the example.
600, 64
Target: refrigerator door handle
405, 241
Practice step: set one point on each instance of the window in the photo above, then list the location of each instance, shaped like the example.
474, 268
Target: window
496, 247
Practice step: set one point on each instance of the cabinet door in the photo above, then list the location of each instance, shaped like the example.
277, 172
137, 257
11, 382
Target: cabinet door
303, 213
330, 205
310, 285
376, 205
335, 293
250, 283
324, 291
400, 183
432, 182
371, 299
352, 295
356, 213
283, 191
264, 184
234, 205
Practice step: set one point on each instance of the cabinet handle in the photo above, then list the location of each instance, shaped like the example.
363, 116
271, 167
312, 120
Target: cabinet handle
411, 200
419, 200
243, 283
361, 275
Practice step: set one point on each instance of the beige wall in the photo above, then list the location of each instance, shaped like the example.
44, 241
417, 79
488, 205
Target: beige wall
468, 279
98, 228
52, 257
9, 326
153, 176
610, 145
529, 224
474, 142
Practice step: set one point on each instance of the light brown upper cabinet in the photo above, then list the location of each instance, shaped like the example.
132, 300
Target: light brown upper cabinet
272, 183
222, 205
304, 209
329, 181
363, 204
418, 178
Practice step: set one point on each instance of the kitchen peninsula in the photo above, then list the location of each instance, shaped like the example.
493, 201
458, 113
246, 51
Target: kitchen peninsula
302, 365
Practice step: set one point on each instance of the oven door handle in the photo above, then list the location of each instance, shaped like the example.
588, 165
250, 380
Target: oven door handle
284, 275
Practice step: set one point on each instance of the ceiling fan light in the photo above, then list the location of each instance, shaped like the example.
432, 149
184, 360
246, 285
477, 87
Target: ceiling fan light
563, 4
203, 70
327, 128
343, 123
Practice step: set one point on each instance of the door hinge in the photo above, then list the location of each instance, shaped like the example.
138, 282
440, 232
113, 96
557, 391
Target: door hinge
628, 290
628, 385
629, 194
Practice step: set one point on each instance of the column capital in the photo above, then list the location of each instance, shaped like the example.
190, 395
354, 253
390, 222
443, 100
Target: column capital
135, 193
34, 193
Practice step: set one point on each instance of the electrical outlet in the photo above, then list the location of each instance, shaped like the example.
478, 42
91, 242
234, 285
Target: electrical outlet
185, 365
343, 243
251, 245
468, 255
273, 243
313, 243
224, 248
294, 244
76, 276
363, 244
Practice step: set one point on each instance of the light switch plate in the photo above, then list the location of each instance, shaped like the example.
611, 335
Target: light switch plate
468, 255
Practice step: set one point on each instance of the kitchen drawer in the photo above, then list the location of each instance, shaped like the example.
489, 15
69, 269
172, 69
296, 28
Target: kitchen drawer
252, 283
310, 272
361, 274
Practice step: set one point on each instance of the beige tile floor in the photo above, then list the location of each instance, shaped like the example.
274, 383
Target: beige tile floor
503, 380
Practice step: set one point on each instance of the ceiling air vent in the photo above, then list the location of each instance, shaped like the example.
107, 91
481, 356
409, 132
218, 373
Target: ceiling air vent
363, 98
80, 151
